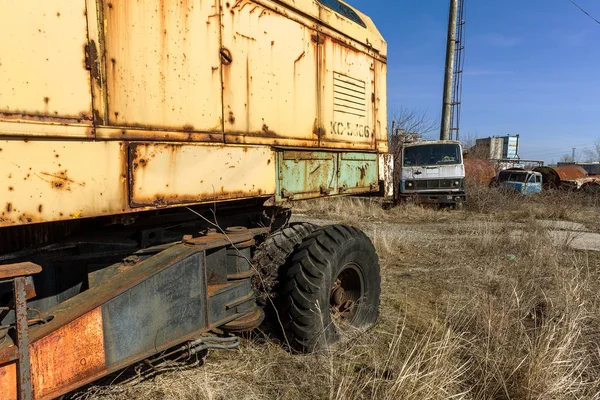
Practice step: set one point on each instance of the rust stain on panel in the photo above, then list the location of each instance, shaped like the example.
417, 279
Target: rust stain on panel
8, 381
68, 355
173, 70
164, 174
59, 181
269, 86
17, 116
44, 78
20, 269
157, 134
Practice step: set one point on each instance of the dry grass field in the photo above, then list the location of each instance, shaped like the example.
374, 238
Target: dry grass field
480, 303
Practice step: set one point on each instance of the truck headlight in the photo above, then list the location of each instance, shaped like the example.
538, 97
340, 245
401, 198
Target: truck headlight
409, 184
457, 183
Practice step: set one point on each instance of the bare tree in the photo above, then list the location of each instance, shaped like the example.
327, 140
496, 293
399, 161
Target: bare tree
409, 122
469, 140
593, 154
403, 123
566, 158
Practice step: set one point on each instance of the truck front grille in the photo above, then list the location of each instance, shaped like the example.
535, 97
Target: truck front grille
425, 184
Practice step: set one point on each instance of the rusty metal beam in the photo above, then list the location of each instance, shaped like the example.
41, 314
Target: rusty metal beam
19, 269
24, 365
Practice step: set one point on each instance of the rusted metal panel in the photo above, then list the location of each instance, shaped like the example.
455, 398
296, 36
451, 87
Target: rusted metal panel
554, 176
163, 174
358, 172
165, 306
28, 129
45, 181
94, 52
381, 129
347, 90
163, 64
72, 349
24, 374
386, 174
20, 269
270, 82
262, 140
44, 77
478, 171
8, 381
334, 14
305, 174
113, 133
68, 355
570, 172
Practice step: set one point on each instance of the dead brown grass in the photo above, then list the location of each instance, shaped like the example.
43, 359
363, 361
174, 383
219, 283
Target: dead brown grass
550, 204
473, 307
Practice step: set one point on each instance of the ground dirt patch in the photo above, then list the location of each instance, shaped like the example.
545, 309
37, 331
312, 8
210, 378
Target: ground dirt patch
469, 310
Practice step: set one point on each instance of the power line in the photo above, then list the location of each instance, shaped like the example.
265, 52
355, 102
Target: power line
585, 12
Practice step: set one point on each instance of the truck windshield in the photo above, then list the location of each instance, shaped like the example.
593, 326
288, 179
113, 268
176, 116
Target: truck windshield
432, 154
509, 176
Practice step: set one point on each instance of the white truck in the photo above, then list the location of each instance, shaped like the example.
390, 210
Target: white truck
432, 172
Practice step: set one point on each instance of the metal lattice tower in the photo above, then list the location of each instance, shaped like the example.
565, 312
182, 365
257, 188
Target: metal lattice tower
459, 55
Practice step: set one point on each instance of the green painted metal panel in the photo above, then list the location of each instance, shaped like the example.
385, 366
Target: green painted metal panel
310, 174
306, 174
357, 172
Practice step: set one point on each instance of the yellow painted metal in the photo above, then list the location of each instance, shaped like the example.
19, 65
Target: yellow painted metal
381, 132
29, 129
347, 95
42, 66
57, 180
369, 37
167, 174
163, 64
270, 84
83, 80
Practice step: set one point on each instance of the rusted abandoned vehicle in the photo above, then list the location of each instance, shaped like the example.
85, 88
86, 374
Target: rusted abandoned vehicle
519, 180
147, 150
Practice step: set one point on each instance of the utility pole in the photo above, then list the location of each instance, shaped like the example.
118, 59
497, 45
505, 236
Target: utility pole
573, 156
448, 81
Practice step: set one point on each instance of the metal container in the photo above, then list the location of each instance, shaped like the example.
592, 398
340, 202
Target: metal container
554, 176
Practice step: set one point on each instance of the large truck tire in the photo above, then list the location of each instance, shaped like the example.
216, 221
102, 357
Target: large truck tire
330, 287
274, 252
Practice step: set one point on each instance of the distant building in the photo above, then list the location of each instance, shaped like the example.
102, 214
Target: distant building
497, 148
502, 151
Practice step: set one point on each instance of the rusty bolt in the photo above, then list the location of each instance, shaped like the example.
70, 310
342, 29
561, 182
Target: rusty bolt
226, 57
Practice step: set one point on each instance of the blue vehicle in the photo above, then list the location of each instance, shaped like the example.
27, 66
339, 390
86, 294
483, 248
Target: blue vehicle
520, 180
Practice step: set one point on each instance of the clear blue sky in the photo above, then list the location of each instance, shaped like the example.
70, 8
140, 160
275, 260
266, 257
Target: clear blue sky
532, 67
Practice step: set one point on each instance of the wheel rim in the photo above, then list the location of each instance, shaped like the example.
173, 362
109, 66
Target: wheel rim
346, 292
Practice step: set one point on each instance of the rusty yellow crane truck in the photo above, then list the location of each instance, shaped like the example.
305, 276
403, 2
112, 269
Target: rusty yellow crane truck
149, 152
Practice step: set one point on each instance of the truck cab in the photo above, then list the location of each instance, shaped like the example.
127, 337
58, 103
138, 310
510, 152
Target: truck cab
520, 180
433, 171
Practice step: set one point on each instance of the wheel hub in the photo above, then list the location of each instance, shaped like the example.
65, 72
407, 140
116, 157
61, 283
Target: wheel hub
345, 292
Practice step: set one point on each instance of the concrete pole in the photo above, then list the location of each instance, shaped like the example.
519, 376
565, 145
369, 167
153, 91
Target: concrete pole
448, 81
